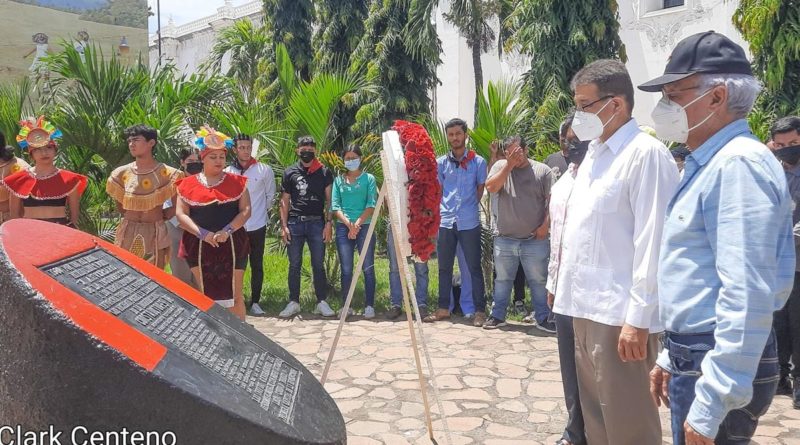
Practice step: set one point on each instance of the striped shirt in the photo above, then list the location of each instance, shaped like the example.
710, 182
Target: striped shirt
726, 264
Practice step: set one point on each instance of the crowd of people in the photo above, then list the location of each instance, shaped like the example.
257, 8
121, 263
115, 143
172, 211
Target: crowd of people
667, 276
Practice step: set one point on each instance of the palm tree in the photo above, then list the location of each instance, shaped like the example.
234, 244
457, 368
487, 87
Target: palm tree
399, 54
562, 37
95, 100
247, 46
290, 22
472, 17
501, 113
545, 121
335, 42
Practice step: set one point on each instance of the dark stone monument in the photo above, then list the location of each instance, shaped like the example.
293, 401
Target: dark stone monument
94, 337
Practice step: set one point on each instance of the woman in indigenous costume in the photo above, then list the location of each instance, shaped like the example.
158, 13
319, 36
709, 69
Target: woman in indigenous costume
44, 190
9, 164
212, 209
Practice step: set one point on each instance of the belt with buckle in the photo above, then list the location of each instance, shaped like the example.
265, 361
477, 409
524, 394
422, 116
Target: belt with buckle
308, 218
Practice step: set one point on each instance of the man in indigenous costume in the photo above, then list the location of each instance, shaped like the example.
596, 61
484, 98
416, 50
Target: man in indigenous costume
140, 190
9, 164
43, 191
213, 207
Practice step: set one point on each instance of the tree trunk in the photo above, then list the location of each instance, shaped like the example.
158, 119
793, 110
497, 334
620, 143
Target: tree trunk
478, 69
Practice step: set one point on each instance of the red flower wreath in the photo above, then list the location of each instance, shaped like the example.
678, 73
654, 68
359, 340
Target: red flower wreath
424, 190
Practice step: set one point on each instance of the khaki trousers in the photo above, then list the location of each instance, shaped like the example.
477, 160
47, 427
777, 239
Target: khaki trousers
615, 396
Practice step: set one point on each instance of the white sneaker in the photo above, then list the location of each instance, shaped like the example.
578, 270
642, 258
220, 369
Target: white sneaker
369, 312
350, 312
324, 310
291, 309
255, 309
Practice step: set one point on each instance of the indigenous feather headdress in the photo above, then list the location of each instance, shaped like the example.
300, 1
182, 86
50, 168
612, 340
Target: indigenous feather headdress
37, 134
211, 139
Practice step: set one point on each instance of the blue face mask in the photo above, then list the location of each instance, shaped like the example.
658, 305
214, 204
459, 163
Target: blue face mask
352, 164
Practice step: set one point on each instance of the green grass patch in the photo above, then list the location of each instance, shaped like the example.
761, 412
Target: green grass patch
275, 291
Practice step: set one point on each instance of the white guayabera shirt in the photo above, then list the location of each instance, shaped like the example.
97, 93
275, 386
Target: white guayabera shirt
559, 196
261, 186
612, 232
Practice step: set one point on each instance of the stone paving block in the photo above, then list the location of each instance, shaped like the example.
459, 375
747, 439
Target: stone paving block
478, 382
508, 388
498, 430
509, 384
367, 428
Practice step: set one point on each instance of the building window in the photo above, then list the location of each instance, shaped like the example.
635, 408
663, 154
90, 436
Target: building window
672, 3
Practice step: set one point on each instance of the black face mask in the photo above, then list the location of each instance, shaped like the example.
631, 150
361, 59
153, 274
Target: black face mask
194, 168
307, 156
6, 153
789, 155
577, 151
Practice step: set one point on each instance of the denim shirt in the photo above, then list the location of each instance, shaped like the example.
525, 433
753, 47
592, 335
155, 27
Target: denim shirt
459, 204
727, 263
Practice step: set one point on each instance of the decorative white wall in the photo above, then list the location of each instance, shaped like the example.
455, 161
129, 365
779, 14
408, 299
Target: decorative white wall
650, 33
648, 30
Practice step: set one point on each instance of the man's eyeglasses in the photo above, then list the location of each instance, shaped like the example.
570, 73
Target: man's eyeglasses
670, 95
584, 107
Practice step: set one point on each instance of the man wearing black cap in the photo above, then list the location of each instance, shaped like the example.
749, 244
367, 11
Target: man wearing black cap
727, 254
785, 134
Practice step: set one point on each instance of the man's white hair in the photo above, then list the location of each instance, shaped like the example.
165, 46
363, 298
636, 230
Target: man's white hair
743, 90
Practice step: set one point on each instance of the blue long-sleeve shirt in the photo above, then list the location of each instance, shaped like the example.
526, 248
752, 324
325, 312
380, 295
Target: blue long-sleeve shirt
727, 263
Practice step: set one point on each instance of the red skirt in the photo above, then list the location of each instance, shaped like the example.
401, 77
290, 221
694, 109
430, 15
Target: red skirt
218, 263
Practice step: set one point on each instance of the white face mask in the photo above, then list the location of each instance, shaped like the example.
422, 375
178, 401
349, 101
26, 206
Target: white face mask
352, 164
670, 120
588, 126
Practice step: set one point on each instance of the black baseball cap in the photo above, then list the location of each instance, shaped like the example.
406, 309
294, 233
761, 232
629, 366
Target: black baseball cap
706, 52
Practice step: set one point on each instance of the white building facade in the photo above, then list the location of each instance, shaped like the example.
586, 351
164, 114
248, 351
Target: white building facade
648, 28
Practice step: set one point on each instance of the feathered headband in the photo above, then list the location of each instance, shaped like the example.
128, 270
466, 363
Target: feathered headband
211, 139
37, 134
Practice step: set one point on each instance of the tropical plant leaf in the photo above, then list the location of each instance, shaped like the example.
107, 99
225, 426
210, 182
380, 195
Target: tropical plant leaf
15, 104
501, 113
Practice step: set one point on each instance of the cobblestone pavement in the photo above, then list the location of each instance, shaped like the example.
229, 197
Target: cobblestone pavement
497, 387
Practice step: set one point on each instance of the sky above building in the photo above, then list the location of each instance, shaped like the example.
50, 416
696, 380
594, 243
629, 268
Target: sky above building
180, 13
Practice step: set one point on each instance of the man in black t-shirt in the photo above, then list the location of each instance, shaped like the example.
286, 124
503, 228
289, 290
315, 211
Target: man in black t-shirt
305, 200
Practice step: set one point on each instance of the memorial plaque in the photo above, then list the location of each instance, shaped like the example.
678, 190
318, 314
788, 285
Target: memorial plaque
101, 339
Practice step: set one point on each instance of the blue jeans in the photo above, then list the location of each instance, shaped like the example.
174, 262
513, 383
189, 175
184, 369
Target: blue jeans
533, 254
310, 232
686, 352
345, 247
470, 242
396, 286
465, 298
